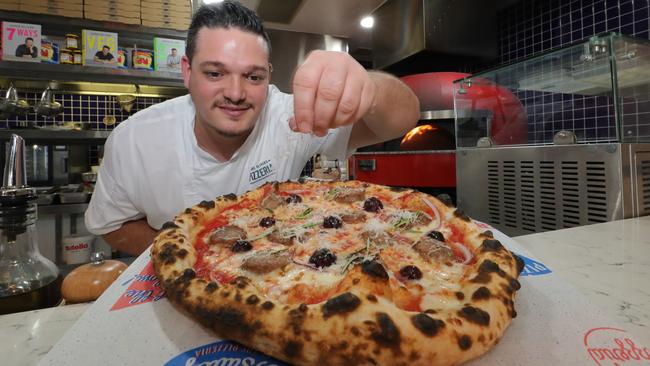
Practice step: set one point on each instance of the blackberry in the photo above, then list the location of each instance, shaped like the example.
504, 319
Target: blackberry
241, 246
372, 204
267, 222
322, 258
293, 198
332, 222
411, 272
436, 235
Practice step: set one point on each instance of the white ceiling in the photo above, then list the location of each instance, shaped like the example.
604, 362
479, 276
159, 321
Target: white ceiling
334, 17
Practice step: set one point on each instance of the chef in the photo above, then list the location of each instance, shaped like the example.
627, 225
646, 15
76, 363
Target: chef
235, 131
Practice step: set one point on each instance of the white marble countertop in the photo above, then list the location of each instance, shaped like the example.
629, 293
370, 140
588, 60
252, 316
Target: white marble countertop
609, 263
26, 337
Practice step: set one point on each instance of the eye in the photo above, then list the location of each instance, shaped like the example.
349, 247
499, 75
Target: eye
256, 78
213, 74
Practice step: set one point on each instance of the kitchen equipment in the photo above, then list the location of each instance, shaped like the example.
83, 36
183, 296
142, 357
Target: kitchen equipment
47, 106
73, 193
45, 195
89, 179
126, 101
585, 157
89, 281
109, 119
77, 249
425, 157
11, 105
28, 280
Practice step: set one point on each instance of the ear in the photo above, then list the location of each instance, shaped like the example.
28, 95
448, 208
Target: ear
185, 66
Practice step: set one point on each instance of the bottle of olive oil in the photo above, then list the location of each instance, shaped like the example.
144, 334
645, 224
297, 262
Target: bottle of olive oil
28, 281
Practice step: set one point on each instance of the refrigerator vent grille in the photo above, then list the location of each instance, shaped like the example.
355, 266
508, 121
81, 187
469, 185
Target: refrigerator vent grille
535, 196
644, 190
596, 192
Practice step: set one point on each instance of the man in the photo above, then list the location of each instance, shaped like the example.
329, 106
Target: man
104, 56
27, 50
234, 131
173, 59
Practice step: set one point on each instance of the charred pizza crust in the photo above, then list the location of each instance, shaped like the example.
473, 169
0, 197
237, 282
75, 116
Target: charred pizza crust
356, 326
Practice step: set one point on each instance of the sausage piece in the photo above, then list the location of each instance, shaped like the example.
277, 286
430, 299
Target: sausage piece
227, 235
353, 217
377, 238
350, 195
277, 237
272, 201
433, 250
266, 261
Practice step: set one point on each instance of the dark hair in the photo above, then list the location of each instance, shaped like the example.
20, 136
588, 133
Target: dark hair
226, 14
173, 49
106, 47
29, 39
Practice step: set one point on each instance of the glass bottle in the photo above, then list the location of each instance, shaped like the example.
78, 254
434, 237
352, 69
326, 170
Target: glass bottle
28, 281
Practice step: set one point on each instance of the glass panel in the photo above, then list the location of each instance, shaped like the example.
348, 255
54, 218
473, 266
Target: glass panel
633, 77
530, 101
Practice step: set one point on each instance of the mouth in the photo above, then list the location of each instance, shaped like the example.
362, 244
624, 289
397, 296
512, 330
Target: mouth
233, 111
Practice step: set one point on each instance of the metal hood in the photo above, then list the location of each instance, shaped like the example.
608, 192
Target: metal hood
434, 35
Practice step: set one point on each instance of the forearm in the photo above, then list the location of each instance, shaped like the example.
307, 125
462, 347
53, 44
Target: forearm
395, 110
134, 237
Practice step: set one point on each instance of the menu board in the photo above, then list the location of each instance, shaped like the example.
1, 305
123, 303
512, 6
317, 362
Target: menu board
168, 53
99, 48
21, 42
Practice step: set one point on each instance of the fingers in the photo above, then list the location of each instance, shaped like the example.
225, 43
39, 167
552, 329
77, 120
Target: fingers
330, 89
349, 104
305, 85
367, 99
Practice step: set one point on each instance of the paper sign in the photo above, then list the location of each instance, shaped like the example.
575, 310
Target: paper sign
143, 287
224, 353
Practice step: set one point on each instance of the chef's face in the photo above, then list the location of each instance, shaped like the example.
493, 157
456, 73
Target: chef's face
29, 43
105, 50
228, 79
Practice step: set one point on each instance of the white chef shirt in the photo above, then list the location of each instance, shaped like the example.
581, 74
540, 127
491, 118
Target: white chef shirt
153, 166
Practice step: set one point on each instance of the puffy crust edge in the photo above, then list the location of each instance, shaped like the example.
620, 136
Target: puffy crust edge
355, 327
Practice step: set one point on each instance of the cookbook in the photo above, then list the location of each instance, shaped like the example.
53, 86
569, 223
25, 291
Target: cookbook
21, 42
168, 53
99, 48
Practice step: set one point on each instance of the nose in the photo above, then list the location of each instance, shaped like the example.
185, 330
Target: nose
234, 89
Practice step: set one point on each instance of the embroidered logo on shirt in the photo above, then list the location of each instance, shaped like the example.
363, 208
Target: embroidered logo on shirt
260, 171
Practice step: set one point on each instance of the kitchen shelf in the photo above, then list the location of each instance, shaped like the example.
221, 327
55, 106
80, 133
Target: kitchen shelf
57, 137
42, 71
55, 25
65, 209
129, 35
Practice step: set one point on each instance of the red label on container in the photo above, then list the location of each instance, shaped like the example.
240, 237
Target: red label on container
612, 346
143, 287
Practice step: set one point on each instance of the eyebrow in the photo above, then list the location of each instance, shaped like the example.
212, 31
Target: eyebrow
251, 68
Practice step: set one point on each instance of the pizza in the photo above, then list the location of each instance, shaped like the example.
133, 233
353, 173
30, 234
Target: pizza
340, 273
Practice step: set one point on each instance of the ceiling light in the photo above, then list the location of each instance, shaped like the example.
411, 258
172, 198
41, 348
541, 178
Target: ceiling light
211, 1
367, 22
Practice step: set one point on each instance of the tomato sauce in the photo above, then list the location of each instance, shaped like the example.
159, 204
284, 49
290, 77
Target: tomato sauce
412, 304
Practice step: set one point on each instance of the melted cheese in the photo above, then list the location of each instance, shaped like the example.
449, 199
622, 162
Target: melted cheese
438, 281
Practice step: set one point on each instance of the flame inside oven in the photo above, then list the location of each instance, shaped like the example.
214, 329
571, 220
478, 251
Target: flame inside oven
427, 137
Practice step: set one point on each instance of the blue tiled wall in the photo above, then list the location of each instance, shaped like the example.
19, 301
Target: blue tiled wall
528, 28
